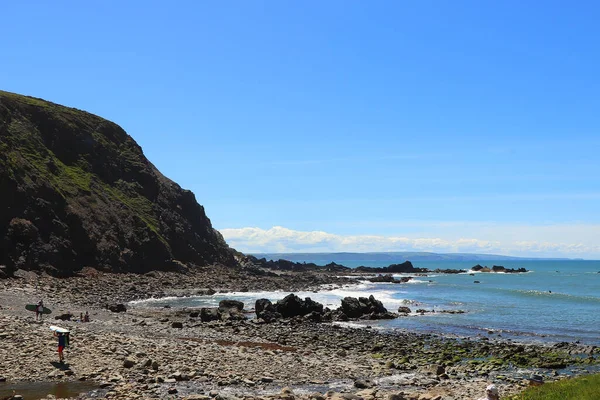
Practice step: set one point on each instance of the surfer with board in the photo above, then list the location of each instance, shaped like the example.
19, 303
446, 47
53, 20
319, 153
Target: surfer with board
39, 310
63, 341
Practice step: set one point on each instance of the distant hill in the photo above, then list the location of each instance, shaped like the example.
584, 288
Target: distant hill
76, 190
390, 257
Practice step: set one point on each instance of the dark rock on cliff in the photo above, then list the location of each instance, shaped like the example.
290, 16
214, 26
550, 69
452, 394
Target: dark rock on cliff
77, 190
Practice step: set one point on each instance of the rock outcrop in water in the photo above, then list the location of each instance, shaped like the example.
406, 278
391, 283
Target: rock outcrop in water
404, 268
497, 268
76, 190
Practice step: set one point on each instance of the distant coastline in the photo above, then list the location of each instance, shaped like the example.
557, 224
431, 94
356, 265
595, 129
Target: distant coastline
394, 256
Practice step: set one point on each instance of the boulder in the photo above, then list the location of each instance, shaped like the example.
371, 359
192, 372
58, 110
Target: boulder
351, 307
404, 310
389, 278
208, 314
117, 308
266, 311
128, 362
64, 317
292, 306
365, 308
231, 310
229, 304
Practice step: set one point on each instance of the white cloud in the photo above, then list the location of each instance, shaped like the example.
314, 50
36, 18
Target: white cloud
280, 239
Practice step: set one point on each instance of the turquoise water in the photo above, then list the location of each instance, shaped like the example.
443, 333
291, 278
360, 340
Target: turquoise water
555, 301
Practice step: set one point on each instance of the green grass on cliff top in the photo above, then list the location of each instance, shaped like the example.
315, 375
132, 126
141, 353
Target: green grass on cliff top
580, 388
26, 159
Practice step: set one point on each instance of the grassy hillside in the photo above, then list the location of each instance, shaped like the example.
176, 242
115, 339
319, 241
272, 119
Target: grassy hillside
78, 190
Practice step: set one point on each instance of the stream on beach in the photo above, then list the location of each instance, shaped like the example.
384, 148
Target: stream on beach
60, 390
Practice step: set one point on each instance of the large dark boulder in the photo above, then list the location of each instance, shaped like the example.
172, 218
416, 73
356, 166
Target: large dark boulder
365, 308
77, 190
352, 307
231, 310
266, 311
292, 306
230, 304
117, 308
208, 314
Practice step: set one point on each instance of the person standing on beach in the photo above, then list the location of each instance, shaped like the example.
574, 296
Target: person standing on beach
39, 310
491, 393
62, 342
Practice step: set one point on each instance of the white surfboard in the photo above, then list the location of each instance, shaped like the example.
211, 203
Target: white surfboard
58, 329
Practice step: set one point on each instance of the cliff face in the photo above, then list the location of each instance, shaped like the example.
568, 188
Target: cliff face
76, 191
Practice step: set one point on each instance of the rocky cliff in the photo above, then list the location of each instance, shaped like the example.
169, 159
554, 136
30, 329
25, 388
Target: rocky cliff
76, 190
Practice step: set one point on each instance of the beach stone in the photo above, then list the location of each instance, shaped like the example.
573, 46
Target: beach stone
128, 362
178, 325
208, 314
117, 308
363, 384
64, 317
434, 369
225, 305
396, 396
224, 396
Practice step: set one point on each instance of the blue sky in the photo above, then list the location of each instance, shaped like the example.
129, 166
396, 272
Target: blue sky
343, 125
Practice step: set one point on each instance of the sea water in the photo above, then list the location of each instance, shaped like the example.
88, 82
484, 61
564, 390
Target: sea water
555, 301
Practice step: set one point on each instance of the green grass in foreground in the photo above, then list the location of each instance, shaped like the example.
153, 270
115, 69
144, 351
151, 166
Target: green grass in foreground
581, 388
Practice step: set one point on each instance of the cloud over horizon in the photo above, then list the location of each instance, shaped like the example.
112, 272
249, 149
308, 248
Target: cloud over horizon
279, 239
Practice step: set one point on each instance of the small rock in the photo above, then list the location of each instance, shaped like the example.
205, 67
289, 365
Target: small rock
128, 362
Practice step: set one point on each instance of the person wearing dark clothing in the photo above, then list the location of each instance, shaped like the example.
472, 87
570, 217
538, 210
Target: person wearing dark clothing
62, 343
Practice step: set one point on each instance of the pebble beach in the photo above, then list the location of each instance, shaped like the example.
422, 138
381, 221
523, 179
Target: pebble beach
169, 353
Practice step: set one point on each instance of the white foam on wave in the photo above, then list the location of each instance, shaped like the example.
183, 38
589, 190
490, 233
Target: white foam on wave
359, 325
154, 300
328, 297
414, 281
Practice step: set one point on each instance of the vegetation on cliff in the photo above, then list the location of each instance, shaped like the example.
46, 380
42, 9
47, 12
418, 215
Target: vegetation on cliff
77, 190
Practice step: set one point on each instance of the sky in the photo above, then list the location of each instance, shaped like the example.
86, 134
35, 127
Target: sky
461, 126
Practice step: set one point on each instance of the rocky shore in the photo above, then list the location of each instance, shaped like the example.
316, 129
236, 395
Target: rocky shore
171, 353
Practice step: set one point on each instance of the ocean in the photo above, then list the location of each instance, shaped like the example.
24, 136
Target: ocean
556, 301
